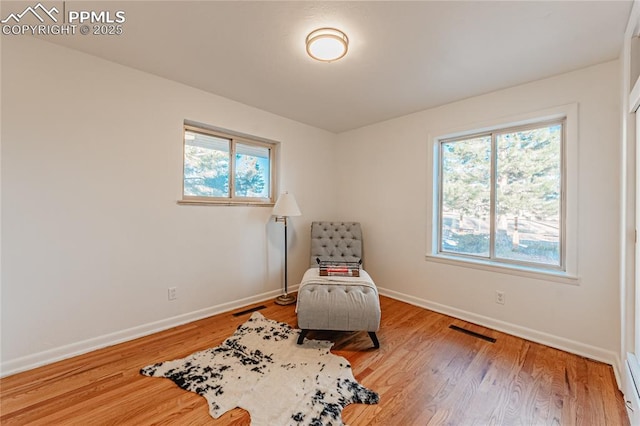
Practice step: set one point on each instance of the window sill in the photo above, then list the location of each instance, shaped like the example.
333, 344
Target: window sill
223, 203
522, 271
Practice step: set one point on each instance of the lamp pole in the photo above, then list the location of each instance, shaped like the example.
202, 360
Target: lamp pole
285, 206
286, 298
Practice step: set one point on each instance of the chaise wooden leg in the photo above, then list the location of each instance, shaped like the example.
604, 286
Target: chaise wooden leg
374, 338
302, 335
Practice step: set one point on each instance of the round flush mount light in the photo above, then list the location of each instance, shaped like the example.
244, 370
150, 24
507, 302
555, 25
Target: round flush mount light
327, 44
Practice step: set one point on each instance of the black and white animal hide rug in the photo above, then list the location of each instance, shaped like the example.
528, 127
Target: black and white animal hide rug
261, 368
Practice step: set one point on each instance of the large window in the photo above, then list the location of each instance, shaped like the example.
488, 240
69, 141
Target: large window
220, 167
501, 196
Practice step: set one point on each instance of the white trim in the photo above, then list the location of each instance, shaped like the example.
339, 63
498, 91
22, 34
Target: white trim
39, 359
570, 112
67, 351
634, 97
630, 99
505, 268
200, 202
572, 346
630, 390
632, 32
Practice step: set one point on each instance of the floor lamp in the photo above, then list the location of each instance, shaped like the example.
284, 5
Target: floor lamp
285, 207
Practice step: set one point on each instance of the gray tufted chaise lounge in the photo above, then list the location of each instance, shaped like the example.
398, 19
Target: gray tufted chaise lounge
337, 303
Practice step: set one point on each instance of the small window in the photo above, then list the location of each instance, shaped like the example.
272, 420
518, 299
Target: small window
223, 168
501, 196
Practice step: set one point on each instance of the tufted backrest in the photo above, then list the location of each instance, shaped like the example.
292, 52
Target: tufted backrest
339, 241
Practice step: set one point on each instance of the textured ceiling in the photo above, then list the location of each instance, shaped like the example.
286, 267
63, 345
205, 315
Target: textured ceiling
403, 56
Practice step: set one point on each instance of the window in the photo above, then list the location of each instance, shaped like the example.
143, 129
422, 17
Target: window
501, 196
220, 167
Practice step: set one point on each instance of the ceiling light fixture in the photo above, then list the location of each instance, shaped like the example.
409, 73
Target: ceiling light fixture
327, 44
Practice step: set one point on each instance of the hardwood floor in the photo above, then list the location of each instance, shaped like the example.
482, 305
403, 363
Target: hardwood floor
425, 373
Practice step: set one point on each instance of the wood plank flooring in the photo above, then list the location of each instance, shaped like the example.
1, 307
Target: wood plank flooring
425, 373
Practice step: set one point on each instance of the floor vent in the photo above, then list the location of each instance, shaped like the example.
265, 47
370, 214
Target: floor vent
473, 333
248, 311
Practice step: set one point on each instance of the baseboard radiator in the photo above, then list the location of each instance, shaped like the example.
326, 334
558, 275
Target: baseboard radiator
631, 388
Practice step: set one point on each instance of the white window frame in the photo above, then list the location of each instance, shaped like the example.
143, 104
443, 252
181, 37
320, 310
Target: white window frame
234, 139
569, 272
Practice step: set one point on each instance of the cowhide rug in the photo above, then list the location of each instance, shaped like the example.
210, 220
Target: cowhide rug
261, 368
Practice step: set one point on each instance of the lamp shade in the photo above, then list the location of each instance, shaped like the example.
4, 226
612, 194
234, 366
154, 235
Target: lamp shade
286, 206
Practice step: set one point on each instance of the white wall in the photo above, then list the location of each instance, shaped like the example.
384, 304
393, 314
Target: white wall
385, 165
92, 235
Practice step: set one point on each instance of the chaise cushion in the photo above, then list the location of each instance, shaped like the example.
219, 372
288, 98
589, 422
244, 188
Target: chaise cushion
338, 303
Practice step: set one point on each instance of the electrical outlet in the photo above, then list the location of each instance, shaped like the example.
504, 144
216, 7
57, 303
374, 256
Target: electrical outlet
500, 297
172, 293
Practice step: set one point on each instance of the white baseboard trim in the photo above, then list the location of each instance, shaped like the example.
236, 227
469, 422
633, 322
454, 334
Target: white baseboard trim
39, 359
572, 346
50, 356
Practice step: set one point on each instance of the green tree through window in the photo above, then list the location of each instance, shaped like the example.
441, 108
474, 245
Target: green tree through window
212, 172
206, 165
500, 195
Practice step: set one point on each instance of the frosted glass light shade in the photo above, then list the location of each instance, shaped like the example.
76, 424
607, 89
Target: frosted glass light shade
286, 206
327, 44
